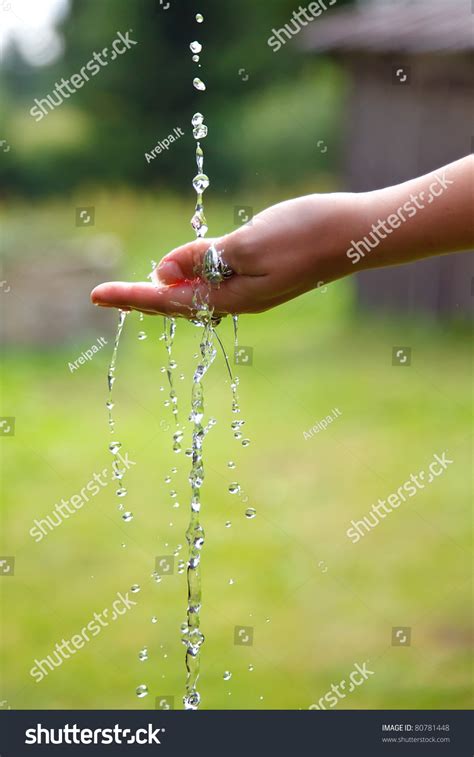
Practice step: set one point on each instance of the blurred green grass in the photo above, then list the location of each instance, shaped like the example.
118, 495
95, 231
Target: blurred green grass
310, 624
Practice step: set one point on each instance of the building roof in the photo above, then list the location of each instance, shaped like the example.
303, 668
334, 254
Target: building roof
409, 26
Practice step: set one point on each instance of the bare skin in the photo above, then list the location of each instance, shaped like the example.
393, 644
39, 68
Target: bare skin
292, 247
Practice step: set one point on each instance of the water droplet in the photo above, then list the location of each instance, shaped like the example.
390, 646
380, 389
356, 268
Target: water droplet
121, 492
191, 701
142, 335
189, 453
231, 581
195, 47
135, 588
199, 18
245, 442
127, 517
199, 159
114, 447
200, 132
231, 464
196, 59
167, 479
228, 524
199, 84
234, 488
143, 654
123, 544
154, 619
198, 222
250, 512
227, 675
251, 668
109, 405
142, 691
173, 494
201, 182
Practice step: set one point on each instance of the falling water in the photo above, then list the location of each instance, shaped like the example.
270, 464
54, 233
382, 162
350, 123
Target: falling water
193, 637
114, 445
169, 330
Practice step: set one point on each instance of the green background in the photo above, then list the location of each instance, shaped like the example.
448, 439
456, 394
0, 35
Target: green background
317, 603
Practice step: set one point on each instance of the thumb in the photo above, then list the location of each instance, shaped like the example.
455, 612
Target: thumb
185, 262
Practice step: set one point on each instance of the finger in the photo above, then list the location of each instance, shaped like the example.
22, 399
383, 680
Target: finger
240, 294
171, 300
238, 249
185, 263
145, 297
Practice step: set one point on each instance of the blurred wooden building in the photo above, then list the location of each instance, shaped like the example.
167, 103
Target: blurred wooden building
410, 110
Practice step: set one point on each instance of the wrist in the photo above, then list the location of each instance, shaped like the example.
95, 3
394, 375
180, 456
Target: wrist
338, 237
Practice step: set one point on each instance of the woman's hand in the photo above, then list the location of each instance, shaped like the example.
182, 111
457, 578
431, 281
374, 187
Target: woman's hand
286, 250
299, 244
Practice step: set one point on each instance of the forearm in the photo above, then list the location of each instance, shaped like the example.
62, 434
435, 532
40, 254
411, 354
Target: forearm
429, 215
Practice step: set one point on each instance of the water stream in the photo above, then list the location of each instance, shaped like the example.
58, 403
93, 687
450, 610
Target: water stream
114, 445
192, 636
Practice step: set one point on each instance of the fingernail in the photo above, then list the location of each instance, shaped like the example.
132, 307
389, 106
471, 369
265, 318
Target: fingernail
169, 271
